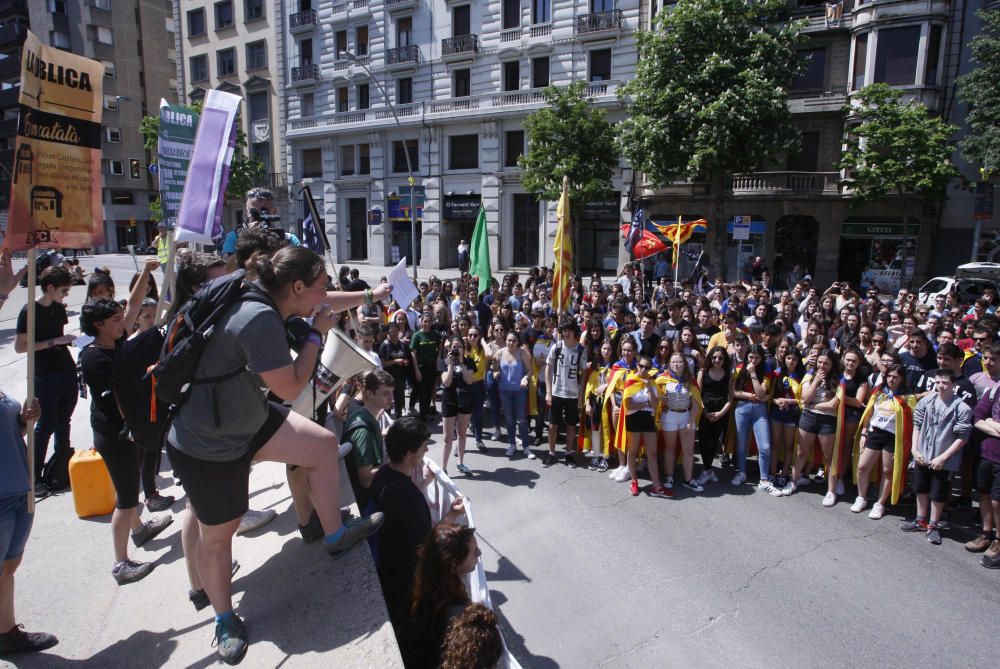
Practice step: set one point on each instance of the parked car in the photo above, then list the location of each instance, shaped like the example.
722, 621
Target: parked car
970, 280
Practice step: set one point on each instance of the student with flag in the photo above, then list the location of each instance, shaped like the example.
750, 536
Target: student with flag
680, 400
614, 405
637, 425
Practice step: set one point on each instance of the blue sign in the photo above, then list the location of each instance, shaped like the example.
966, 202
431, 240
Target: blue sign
375, 216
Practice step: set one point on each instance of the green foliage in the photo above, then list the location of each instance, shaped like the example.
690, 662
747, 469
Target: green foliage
980, 91
710, 92
244, 172
569, 137
897, 147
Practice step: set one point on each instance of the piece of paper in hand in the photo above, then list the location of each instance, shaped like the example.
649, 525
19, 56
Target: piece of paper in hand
403, 290
83, 340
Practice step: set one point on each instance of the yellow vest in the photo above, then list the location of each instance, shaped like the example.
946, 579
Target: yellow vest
162, 250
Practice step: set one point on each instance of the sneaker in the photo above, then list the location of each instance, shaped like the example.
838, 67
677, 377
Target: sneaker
594, 463
878, 510
354, 533
41, 491
819, 476
979, 544
231, 639
312, 530
481, 446
693, 485
945, 521
839, 490
622, 475
548, 459
602, 465
991, 559
529, 454
570, 460
669, 483
198, 598
790, 489
150, 529
538, 441
588, 454
829, 499
860, 504
802, 480
739, 479
726, 460
464, 469
158, 502
126, 571
253, 520
633, 488
19, 641
702, 478
916, 525
934, 536
661, 492
768, 487
712, 478
511, 451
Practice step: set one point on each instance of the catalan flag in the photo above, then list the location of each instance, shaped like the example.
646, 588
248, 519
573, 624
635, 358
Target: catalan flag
563, 252
680, 232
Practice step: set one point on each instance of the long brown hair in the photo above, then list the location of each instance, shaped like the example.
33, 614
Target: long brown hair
437, 582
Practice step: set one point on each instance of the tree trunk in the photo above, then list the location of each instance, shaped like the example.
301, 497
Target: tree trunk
718, 222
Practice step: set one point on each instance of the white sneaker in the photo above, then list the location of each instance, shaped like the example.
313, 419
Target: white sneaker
860, 504
878, 510
712, 478
802, 480
669, 483
789, 489
702, 478
253, 520
840, 487
622, 475
829, 499
739, 479
768, 487
613, 473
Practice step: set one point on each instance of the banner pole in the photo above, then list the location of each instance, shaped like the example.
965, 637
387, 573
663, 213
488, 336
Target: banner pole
30, 427
169, 280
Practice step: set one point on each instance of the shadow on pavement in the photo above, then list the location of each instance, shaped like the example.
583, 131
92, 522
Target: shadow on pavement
507, 476
515, 642
155, 649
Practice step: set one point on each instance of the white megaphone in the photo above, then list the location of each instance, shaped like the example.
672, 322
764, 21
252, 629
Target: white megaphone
341, 359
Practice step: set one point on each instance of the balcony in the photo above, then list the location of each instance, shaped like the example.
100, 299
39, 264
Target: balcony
510, 35
400, 5
340, 7
13, 8
599, 24
463, 46
13, 32
301, 22
817, 101
305, 74
820, 16
402, 55
540, 30
785, 184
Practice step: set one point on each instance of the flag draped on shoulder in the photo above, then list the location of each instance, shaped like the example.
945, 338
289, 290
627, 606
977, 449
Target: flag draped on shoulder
479, 253
313, 231
562, 250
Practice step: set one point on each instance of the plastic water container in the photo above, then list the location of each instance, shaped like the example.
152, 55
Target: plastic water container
93, 492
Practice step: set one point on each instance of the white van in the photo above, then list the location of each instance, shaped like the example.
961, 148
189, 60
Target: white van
970, 280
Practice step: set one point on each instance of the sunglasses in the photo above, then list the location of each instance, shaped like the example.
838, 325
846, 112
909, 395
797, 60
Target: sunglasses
718, 358
259, 194
645, 368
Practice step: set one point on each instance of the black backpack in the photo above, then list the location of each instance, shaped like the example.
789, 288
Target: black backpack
145, 414
55, 472
189, 331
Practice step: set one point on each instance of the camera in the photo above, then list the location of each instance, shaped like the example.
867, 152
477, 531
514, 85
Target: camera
263, 216
455, 352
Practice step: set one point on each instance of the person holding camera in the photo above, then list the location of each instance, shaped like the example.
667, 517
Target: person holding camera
456, 399
260, 210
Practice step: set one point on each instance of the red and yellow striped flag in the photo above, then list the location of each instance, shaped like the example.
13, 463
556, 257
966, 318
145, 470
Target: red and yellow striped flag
562, 251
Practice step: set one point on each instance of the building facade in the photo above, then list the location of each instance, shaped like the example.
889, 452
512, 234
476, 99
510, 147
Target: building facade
231, 45
450, 82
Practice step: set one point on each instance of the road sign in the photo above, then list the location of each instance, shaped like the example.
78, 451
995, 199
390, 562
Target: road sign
375, 216
741, 228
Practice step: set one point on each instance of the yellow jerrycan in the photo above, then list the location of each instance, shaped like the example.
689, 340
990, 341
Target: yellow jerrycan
93, 492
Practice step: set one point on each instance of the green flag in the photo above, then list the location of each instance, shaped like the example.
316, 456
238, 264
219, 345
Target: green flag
479, 254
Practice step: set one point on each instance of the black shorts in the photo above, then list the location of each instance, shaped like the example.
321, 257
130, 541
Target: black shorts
121, 457
640, 421
817, 423
220, 491
880, 440
564, 411
988, 479
934, 481
452, 410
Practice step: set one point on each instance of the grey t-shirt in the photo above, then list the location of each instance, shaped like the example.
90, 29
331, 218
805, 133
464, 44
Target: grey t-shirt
567, 364
250, 336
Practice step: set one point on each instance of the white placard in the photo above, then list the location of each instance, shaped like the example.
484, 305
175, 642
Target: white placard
403, 290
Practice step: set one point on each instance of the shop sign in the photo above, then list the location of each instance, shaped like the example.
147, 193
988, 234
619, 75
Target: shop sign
398, 208
879, 229
461, 207
607, 208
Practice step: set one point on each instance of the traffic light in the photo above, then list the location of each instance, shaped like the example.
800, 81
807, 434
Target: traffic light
134, 168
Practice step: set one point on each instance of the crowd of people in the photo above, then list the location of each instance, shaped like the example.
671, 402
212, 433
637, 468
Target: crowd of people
828, 387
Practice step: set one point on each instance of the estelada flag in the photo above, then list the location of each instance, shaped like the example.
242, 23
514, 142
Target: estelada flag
648, 242
55, 197
680, 232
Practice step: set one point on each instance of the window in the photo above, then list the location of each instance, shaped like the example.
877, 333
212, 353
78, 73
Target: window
541, 11
253, 9
513, 147
860, 60
404, 31
511, 75
933, 55
462, 83
814, 74
399, 157
109, 69
226, 61
104, 35
257, 105
342, 104
597, 6
361, 41
116, 168
257, 55
364, 159
59, 39
134, 168
464, 152
600, 65
807, 159
103, 4
305, 52
511, 14
196, 22
461, 21
199, 68
404, 91
111, 102
340, 41
224, 15
307, 105
364, 101
122, 197
896, 55
114, 135
347, 160
57, 6
312, 163
540, 72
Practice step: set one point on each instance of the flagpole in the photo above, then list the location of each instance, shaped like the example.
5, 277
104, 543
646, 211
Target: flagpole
677, 255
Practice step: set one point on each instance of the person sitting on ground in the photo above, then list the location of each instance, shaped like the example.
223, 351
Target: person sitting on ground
473, 641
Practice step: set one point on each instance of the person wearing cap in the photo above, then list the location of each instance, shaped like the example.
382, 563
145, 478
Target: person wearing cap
260, 203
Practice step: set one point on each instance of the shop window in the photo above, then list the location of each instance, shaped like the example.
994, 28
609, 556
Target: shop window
399, 157
896, 55
513, 147
860, 61
312, 163
814, 75
464, 154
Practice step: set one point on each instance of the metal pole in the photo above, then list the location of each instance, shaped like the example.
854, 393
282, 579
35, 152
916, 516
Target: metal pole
409, 166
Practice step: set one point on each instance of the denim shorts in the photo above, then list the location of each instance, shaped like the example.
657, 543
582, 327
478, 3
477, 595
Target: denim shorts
817, 423
674, 421
786, 416
15, 526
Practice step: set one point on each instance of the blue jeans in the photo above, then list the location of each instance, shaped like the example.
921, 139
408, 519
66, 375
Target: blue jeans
477, 393
753, 416
57, 393
515, 407
493, 392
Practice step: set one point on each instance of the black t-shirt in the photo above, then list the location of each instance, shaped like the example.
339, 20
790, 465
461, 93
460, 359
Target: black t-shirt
916, 371
669, 331
49, 322
398, 351
96, 363
458, 392
704, 335
647, 346
407, 523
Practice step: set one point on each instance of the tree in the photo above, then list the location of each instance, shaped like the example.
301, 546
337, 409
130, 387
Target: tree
895, 147
980, 91
709, 97
573, 138
244, 172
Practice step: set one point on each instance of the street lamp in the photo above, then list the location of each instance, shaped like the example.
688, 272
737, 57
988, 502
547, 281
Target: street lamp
406, 151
